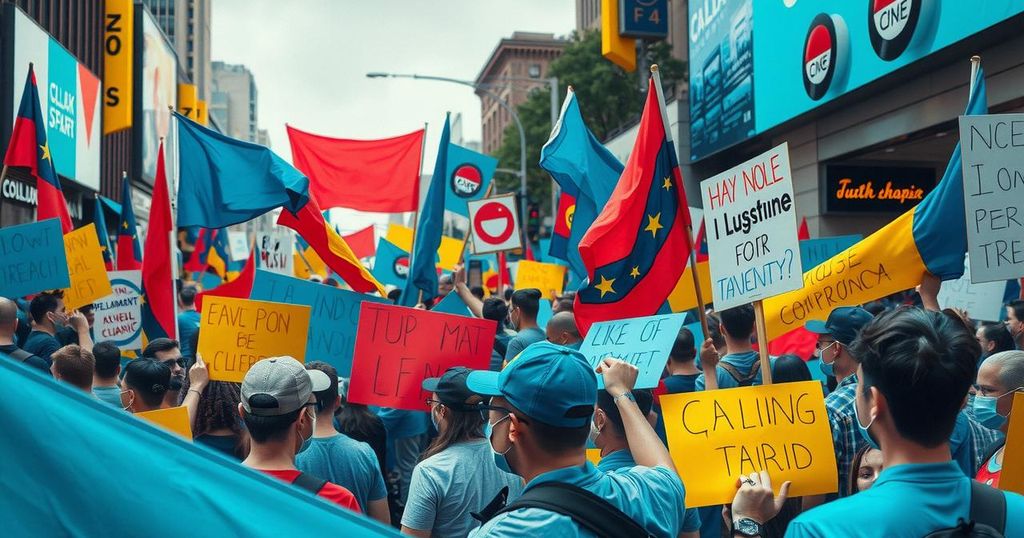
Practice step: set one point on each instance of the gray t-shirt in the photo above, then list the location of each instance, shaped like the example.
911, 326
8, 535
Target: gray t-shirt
346, 462
521, 340
448, 486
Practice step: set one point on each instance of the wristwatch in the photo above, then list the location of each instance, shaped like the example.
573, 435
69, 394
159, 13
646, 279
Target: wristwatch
747, 527
627, 395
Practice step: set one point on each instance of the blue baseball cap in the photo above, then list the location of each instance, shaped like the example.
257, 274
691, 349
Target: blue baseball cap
547, 382
843, 324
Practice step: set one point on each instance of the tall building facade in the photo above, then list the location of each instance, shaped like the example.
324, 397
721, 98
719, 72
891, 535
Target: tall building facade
233, 101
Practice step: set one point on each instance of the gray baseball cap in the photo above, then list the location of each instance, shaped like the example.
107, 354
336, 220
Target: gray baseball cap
280, 385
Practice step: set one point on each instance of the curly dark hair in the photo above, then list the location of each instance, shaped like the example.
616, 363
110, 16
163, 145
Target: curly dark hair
218, 409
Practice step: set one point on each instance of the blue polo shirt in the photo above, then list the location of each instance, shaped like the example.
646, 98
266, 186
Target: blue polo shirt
621, 460
906, 500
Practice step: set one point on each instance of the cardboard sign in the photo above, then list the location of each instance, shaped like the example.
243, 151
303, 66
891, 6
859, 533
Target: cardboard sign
86, 269
642, 342
397, 348
452, 304
172, 419
448, 253
276, 249
750, 221
32, 259
1012, 476
238, 244
546, 277
333, 318
815, 251
992, 147
494, 224
119, 315
235, 333
715, 436
983, 301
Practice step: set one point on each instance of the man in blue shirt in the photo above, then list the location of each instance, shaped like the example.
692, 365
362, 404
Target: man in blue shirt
188, 320
740, 366
540, 416
682, 372
523, 316
48, 317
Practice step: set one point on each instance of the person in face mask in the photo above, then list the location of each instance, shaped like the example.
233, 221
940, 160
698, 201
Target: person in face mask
457, 475
999, 378
48, 317
168, 352
279, 411
522, 316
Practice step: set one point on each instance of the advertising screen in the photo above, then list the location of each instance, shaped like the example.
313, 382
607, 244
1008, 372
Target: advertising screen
159, 90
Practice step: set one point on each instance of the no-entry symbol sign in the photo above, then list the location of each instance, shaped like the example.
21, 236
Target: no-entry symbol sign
494, 224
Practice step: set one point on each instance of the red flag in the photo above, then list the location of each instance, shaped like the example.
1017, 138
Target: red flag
363, 243
158, 308
197, 262
529, 252
240, 287
803, 233
504, 279
799, 342
368, 175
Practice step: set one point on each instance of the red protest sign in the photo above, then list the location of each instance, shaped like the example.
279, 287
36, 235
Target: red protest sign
397, 348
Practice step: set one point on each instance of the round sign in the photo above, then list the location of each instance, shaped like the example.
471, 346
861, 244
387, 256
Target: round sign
494, 223
401, 266
466, 180
569, 213
820, 49
891, 25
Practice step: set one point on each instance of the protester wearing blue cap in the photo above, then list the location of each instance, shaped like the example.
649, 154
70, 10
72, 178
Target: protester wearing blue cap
540, 412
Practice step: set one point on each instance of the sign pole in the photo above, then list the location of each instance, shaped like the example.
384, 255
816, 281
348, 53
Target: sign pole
762, 343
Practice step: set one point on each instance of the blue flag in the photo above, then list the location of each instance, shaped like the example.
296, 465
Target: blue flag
580, 164
467, 177
101, 231
391, 264
223, 181
422, 268
452, 304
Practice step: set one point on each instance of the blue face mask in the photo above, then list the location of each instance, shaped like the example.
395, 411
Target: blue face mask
827, 368
499, 457
864, 433
985, 410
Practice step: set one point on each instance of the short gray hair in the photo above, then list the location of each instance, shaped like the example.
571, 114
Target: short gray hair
1011, 368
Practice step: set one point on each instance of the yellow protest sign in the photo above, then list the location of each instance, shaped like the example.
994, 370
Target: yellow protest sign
683, 296
450, 250
543, 276
173, 419
1012, 476
88, 274
235, 333
716, 436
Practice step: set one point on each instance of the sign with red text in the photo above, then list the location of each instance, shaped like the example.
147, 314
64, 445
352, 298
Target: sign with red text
118, 316
751, 227
397, 348
494, 224
276, 248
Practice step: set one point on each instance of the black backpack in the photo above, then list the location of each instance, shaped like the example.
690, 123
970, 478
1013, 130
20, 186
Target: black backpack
309, 483
744, 380
987, 516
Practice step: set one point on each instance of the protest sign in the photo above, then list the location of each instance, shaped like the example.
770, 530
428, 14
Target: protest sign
449, 252
235, 333
547, 277
118, 316
992, 148
86, 269
397, 348
815, 251
452, 304
750, 221
642, 342
32, 259
544, 313
982, 301
333, 318
238, 244
172, 419
716, 436
1012, 476
494, 224
276, 251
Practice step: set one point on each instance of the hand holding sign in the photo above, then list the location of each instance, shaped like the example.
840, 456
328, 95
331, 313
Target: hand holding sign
198, 374
755, 498
641, 342
619, 376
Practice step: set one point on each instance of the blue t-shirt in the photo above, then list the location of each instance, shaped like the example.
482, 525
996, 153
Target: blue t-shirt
621, 460
651, 496
909, 500
346, 462
521, 340
111, 395
448, 486
676, 384
188, 326
41, 344
743, 362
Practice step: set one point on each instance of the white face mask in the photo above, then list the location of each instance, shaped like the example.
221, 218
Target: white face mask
594, 432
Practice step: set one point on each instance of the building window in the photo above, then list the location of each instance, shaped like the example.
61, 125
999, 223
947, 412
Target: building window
534, 71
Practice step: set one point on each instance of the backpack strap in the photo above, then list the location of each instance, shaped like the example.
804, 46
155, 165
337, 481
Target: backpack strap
988, 506
20, 355
309, 483
742, 379
493, 507
586, 509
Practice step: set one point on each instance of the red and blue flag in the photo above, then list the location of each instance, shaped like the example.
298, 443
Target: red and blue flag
129, 251
100, 220
158, 306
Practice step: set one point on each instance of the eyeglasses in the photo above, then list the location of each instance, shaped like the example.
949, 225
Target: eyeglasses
431, 402
822, 346
180, 361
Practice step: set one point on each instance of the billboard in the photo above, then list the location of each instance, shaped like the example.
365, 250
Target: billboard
156, 92
807, 53
69, 97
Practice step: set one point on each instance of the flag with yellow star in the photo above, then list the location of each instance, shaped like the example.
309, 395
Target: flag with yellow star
129, 250
637, 248
100, 220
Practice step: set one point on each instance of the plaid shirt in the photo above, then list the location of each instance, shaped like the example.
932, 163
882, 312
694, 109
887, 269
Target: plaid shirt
846, 439
982, 439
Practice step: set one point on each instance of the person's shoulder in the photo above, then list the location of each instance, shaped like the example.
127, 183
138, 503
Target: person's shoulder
525, 522
658, 481
339, 495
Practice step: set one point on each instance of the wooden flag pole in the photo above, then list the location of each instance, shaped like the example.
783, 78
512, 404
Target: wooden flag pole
762, 343
469, 230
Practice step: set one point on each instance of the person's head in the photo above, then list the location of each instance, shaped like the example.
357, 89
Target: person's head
915, 369
108, 361
540, 408
875, 308
563, 305
684, 349
445, 284
456, 411
524, 307
73, 365
507, 293
495, 309
144, 385
607, 428
187, 297
738, 322
328, 399
47, 310
332, 282
394, 295
1000, 376
1015, 318
867, 465
8, 318
278, 405
168, 352
87, 311
994, 338
790, 369
562, 329
835, 335
478, 292
218, 408
316, 278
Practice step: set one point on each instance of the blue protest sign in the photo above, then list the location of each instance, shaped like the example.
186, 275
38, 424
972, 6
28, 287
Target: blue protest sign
332, 324
391, 264
643, 342
452, 304
544, 313
469, 174
32, 259
815, 251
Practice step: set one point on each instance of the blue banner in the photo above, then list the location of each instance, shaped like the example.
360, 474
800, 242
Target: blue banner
815, 251
32, 259
391, 264
452, 304
468, 175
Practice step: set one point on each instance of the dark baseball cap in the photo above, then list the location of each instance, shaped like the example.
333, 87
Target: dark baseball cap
843, 324
452, 390
282, 385
547, 382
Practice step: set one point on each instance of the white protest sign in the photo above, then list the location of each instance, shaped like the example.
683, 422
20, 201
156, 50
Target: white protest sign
276, 251
750, 223
992, 148
118, 315
238, 244
982, 301
494, 224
